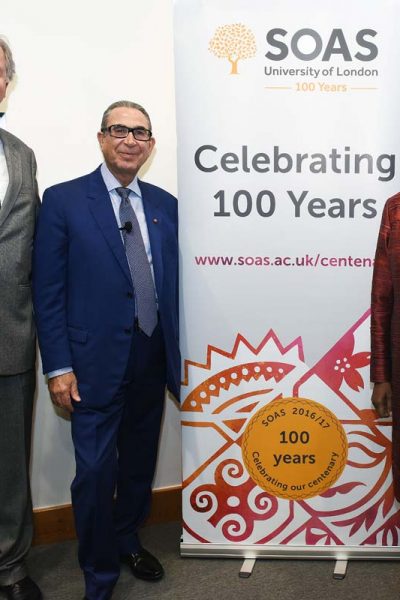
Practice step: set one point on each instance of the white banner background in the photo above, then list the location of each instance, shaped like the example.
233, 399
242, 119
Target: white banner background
310, 314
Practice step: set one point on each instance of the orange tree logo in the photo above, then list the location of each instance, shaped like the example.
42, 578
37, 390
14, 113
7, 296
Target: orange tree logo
234, 42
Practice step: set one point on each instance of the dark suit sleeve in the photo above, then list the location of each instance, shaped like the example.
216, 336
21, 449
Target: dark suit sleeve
382, 304
177, 267
34, 179
50, 255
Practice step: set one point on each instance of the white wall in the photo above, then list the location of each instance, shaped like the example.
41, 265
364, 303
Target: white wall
73, 59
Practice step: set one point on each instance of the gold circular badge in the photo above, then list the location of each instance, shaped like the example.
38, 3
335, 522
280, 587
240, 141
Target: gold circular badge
294, 448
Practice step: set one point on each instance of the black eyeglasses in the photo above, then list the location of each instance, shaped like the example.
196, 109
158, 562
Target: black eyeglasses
121, 131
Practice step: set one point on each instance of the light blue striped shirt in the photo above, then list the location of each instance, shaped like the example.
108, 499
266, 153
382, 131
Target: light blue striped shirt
135, 198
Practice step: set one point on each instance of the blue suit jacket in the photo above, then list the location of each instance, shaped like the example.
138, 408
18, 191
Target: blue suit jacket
82, 288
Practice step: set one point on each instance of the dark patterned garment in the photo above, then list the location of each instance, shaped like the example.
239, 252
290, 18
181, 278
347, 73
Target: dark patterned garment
385, 319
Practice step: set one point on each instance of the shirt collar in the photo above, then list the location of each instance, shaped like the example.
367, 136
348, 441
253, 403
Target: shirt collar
112, 182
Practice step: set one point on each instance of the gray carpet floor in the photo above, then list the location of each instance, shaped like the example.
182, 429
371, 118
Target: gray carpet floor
55, 568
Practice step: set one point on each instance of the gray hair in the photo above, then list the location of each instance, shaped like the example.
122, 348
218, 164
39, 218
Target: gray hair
123, 104
10, 64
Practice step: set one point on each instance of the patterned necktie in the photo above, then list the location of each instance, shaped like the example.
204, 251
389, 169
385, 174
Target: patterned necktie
138, 265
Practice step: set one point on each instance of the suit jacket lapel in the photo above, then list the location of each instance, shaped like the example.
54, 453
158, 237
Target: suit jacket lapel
153, 213
14, 167
102, 211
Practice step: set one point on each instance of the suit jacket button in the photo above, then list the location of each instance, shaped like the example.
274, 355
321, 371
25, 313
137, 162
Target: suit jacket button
130, 295
128, 330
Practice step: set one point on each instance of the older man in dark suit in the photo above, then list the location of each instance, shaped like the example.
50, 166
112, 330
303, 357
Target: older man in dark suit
106, 303
19, 204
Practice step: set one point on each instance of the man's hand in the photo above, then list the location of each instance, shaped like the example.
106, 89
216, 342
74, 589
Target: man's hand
382, 398
62, 388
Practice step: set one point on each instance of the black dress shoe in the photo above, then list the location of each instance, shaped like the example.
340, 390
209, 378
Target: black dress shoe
144, 565
25, 589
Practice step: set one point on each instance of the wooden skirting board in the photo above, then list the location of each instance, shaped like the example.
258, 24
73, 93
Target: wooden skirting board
56, 523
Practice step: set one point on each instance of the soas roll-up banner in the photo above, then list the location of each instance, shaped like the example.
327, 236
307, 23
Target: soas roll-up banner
287, 146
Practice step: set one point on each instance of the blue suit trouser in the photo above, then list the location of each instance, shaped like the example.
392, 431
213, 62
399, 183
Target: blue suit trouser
116, 452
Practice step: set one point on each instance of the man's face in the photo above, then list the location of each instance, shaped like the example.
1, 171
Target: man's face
125, 156
3, 78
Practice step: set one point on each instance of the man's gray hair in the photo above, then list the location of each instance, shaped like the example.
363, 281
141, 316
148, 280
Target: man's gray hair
123, 104
10, 64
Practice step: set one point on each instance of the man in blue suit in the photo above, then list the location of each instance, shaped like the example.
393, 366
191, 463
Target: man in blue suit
105, 280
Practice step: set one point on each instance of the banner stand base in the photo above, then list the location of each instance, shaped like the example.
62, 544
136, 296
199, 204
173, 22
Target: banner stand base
341, 554
340, 569
247, 567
